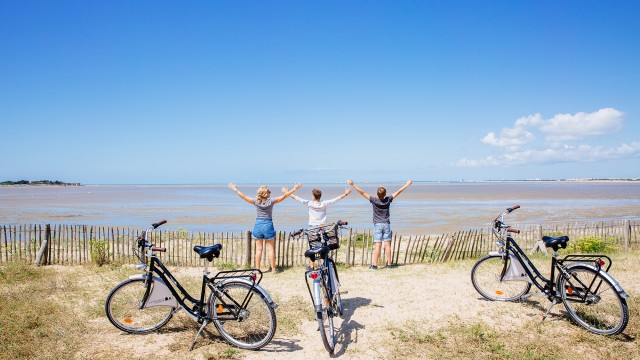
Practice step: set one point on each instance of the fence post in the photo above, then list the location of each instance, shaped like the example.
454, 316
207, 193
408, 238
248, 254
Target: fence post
539, 244
44, 248
248, 242
348, 261
627, 234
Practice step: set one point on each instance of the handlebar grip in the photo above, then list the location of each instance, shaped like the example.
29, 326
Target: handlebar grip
342, 223
160, 249
156, 225
515, 207
512, 230
296, 233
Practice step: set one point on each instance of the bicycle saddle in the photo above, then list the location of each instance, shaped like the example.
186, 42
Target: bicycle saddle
317, 252
208, 252
555, 242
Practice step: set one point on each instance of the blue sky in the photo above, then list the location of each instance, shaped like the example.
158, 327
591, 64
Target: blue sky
161, 92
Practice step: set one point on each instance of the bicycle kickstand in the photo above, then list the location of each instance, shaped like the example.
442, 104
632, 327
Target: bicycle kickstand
553, 302
204, 323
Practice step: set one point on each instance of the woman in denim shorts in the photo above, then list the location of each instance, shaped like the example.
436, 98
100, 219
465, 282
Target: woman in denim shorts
263, 230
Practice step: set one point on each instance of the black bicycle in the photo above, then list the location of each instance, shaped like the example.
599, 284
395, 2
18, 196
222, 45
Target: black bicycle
325, 287
233, 300
592, 297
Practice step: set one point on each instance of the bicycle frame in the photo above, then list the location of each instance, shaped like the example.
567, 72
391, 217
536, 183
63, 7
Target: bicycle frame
535, 277
197, 310
558, 266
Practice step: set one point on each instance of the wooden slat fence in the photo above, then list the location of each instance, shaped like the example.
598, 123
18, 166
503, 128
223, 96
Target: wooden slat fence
73, 244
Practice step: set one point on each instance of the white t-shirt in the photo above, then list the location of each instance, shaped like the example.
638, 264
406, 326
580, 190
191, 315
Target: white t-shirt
317, 209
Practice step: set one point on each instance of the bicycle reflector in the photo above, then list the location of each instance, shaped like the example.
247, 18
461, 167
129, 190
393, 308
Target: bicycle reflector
219, 310
254, 276
600, 262
128, 320
498, 292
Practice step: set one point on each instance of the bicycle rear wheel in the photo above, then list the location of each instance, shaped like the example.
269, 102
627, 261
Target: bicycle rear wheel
593, 302
325, 320
486, 277
123, 309
250, 327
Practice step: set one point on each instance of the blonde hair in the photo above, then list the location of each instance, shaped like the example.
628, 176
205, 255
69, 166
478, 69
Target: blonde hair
263, 193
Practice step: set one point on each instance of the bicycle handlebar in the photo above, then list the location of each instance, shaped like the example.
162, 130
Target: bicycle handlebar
513, 230
297, 233
515, 207
157, 225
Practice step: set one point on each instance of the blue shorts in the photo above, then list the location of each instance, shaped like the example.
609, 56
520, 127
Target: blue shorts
263, 229
381, 232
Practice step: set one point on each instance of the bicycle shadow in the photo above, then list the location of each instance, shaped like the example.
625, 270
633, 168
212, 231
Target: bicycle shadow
348, 332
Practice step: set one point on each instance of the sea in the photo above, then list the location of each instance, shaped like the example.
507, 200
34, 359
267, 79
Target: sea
424, 208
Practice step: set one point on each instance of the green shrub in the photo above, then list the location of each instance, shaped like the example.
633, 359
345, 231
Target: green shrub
593, 244
99, 252
227, 265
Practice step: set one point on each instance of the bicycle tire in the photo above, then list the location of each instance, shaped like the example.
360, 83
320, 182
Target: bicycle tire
336, 292
604, 312
486, 274
123, 309
325, 320
257, 322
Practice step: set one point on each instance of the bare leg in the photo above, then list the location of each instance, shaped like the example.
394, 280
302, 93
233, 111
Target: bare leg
259, 247
376, 253
387, 250
271, 251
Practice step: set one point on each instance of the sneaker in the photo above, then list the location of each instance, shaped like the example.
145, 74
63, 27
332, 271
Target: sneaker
391, 266
373, 267
278, 271
267, 271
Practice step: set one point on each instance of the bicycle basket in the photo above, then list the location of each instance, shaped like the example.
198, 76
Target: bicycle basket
331, 236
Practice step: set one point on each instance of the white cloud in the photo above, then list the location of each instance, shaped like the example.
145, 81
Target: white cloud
509, 138
580, 154
564, 127
560, 133
561, 127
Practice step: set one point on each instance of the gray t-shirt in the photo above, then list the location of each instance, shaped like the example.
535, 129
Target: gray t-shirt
381, 209
265, 209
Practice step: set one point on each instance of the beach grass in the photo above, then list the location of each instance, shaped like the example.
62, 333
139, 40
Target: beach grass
57, 312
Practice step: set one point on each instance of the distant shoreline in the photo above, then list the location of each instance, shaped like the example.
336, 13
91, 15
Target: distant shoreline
38, 183
463, 181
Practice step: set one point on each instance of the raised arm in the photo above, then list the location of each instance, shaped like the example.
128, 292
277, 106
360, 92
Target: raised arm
364, 194
244, 197
403, 188
287, 194
347, 191
294, 197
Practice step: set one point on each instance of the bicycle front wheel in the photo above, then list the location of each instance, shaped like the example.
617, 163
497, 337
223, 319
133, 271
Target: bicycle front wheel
486, 277
325, 320
243, 316
123, 309
593, 302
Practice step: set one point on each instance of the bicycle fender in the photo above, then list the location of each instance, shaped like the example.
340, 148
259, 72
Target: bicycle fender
317, 298
256, 286
604, 274
160, 293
